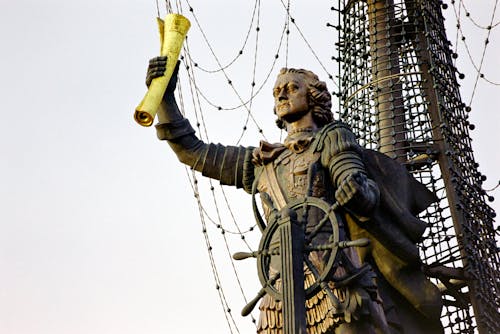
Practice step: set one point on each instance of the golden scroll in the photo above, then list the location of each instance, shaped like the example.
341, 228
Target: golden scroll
172, 34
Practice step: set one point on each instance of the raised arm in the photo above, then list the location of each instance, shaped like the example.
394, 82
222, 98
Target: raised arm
230, 164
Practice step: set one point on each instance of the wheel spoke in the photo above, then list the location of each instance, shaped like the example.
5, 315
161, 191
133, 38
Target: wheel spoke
251, 305
318, 227
312, 267
335, 301
305, 211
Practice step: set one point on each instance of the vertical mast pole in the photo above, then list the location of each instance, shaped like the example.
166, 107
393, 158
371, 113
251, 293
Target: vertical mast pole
385, 78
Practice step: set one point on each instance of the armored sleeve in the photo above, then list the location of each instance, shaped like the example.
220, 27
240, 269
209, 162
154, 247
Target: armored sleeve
342, 156
231, 165
340, 152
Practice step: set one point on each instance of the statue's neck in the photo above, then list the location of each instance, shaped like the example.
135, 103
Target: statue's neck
305, 122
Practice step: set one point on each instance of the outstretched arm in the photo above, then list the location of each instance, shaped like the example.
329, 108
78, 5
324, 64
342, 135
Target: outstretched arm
229, 164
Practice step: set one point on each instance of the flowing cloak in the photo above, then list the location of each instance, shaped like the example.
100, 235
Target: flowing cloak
394, 223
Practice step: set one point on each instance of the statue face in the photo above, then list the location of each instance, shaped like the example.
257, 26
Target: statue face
290, 96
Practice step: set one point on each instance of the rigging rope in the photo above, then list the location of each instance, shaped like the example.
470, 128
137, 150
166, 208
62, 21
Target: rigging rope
204, 135
227, 310
330, 76
460, 32
479, 74
467, 14
254, 71
202, 211
241, 50
287, 31
229, 81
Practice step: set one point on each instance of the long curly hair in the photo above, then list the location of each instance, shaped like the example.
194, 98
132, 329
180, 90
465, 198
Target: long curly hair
320, 100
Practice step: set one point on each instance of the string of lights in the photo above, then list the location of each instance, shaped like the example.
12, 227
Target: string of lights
244, 104
254, 73
241, 49
218, 283
229, 81
202, 129
474, 21
231, 322
460, 33
308, 44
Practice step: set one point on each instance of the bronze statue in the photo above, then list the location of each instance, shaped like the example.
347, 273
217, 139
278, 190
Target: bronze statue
320, 158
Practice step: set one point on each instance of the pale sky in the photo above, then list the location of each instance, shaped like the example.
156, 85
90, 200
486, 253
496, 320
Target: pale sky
99, 228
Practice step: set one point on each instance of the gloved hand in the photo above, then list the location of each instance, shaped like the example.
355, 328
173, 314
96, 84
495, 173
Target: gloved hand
358, 194
156, 68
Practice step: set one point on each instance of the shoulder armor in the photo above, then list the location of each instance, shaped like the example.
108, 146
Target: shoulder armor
327, 131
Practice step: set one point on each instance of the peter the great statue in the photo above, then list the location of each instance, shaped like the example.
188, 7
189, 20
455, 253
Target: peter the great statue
320, 159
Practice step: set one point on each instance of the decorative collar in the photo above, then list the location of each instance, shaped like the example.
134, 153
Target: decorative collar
299, 140
294, 131
266, 153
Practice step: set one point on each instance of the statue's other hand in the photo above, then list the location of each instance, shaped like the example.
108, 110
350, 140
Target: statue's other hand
358, 194
349, 188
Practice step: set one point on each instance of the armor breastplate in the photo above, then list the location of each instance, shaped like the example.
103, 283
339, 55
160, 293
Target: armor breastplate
293, 172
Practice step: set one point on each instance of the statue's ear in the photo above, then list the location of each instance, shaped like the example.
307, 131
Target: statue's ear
310, 99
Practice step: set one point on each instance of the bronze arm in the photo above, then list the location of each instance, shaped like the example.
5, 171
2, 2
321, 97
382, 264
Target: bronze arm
231, 165
341, 155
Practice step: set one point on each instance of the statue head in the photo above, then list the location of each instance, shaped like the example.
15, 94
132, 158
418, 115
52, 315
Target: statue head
319, 100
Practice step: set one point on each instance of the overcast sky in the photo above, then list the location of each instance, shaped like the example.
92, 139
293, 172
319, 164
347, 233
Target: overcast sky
99, 228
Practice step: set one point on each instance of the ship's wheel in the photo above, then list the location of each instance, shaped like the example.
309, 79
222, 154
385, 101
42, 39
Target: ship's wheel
300, 212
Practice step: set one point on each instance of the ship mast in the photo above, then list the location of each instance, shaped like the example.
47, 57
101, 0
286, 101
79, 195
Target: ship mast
399, 93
